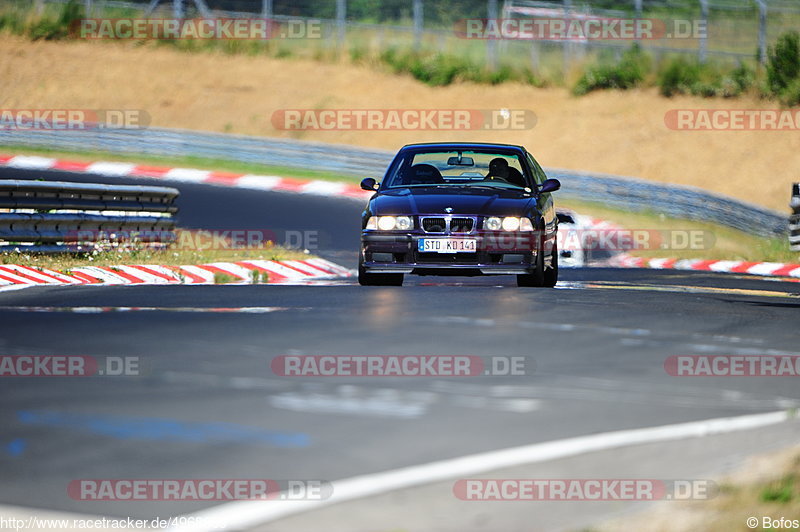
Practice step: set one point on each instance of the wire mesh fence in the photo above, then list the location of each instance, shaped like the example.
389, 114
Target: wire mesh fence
723, 30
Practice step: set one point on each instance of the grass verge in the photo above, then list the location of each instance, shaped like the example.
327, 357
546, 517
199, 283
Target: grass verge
175, 255
768, 486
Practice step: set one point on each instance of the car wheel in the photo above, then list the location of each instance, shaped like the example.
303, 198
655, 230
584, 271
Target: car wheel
378, 279
551, 275
536, 278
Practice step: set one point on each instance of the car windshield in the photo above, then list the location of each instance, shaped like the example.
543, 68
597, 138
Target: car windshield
462, 168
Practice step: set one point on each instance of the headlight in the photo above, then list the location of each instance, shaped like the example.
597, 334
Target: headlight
509, 223
389, 223
492, 224
403, 223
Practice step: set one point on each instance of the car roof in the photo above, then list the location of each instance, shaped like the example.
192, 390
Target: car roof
462, 145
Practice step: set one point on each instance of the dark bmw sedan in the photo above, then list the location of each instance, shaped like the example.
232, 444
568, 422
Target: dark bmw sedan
460, 209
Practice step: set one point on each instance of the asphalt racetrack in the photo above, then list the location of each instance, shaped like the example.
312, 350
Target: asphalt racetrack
208, 405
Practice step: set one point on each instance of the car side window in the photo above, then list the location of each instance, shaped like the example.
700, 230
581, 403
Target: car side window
538, 173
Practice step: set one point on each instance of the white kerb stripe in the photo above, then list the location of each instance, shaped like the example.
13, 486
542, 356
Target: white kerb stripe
111, 169
305, 268
163, 270
242, 515
233, 269
31, 272
258, 182
32, 162
765, 268
106, 276
146, 277
17, 279
200, 272
325, 188
188, 175
724, 265
278, 268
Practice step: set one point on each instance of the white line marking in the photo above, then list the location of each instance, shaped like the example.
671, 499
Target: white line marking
31, 162
188, 175
258, 182
111, 169
245, 514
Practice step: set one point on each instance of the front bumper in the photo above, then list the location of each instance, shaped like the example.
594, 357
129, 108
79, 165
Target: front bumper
512, 253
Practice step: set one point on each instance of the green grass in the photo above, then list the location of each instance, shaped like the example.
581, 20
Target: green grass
201, 163
180, 253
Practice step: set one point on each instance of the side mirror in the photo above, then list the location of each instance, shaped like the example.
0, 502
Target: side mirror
550, 185
369, 184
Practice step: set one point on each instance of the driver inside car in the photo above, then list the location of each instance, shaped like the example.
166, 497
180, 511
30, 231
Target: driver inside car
499, 169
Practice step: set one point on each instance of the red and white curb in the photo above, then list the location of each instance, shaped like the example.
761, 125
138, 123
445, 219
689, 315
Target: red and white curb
770, 269
189, 175
767, 269
278, 272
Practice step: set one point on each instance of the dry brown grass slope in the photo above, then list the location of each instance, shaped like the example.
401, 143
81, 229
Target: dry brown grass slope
614, 132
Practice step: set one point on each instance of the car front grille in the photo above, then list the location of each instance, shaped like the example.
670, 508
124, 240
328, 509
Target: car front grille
434, 225
461, 225
439, 224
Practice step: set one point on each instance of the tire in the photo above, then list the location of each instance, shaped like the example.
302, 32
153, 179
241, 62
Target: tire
536, 278
551, 275
378, 279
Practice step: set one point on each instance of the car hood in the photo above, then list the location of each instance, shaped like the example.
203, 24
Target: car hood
430, 200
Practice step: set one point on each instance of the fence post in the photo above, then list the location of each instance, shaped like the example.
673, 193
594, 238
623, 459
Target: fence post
703, 46
762, 31
87, 8
417, 24
266, 9
638, 6
566, 45
794, 219
491, 44
341, 14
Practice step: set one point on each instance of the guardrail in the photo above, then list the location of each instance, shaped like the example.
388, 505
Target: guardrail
794, 219
52, 216
632, 194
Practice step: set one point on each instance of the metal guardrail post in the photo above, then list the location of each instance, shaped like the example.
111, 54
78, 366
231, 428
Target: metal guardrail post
794, 219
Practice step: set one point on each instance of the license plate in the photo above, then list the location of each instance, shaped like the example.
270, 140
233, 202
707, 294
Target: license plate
447, 245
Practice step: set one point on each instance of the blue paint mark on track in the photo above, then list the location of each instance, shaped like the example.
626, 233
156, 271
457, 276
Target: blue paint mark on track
16, 447
160, 429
